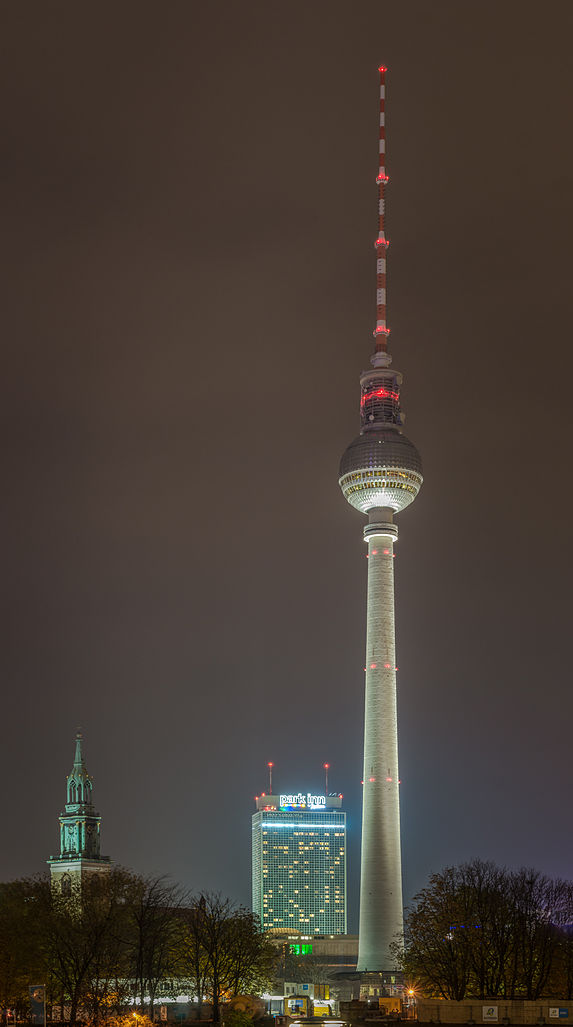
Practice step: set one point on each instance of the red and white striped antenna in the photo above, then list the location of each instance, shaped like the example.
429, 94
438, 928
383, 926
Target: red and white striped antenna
381, 332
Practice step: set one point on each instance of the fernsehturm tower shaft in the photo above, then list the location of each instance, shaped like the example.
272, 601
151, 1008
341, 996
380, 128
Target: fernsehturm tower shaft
380, 474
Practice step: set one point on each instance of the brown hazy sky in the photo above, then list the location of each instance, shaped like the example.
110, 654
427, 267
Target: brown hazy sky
188, 216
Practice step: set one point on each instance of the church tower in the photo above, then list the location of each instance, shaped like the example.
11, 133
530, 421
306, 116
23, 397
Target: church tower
79, 832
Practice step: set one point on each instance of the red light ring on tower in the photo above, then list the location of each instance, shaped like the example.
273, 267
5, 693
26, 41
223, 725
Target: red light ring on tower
381, 393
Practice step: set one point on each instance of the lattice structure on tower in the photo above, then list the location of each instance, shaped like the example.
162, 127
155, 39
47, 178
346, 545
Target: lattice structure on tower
381, 332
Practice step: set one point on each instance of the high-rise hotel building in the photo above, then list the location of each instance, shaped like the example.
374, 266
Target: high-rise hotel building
299, 863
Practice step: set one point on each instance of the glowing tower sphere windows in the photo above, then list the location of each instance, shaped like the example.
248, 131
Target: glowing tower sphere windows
381, 469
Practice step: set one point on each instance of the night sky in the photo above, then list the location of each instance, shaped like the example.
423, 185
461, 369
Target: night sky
189, 210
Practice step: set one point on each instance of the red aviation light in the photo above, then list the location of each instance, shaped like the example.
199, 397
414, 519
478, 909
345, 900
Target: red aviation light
380, 241
382, 179
382, 68
380, 393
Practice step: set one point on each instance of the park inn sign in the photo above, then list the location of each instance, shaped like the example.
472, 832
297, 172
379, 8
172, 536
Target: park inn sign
300, 801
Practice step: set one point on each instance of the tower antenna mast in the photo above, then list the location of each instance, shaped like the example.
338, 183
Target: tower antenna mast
326, 769
381, 332
270, 766
380, 475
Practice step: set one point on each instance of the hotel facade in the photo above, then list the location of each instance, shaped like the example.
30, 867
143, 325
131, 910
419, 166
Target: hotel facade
299, 863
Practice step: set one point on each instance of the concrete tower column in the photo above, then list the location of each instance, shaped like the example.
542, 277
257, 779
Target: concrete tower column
381, 916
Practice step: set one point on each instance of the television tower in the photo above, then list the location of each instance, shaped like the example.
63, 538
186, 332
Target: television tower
380, 474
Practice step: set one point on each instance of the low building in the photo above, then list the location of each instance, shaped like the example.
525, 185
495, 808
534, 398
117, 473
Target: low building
313, 973
495, 1011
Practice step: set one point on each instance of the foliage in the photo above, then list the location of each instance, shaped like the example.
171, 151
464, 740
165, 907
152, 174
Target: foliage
83, 938
122, 939
237, 1018
154, 935
21, 955
225, 952
481, 931
129, 1020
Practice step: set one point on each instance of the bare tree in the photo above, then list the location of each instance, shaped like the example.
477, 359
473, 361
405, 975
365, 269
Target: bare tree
80, 941
226, 952
481, 931
537, 904
435, 953
154, 936
21, 953
194, 963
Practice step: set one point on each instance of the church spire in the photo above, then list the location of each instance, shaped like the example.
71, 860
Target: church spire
79, 758
79, 791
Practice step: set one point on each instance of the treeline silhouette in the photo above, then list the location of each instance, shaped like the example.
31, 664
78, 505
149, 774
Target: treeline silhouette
481, 931
122, 940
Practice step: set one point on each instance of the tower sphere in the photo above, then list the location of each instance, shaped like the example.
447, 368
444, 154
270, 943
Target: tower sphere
381, 468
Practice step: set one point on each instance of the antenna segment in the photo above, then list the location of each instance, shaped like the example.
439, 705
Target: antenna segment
270, 766
381, 332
